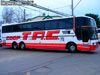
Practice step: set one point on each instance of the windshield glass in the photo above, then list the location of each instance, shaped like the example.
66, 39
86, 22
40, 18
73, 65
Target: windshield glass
86, 32
83, 25
92, 33
84, 21
91, 22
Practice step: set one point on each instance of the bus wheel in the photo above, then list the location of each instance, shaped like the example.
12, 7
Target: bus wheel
72, 47
14, 45
22, 46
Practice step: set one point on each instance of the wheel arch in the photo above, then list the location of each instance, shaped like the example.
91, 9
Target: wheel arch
14, 42
21, 42
70, 43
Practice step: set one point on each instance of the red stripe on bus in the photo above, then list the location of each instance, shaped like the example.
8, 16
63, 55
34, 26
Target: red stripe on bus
6, 44
60, 46
46, 45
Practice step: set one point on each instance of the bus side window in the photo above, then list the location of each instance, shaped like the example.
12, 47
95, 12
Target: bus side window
4, 29
61, 24
69, 23
9, 29
47, 25
24, 27
37, 26
51, 25
16, 28
66, 23
29, 27
54, 25
98, 31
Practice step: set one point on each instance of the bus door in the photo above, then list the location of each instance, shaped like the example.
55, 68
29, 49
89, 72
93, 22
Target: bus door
85, 37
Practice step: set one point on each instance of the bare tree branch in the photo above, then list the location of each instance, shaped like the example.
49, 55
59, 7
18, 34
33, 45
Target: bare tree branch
13, 14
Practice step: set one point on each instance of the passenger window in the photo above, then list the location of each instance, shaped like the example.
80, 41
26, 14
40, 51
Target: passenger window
16, 28
9, 29
98, 31
61, 24
66, 23
53, 25
4, 29
37, 26
47, 25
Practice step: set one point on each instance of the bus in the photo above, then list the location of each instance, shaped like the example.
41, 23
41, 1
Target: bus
98, 30
0, 36
70, 34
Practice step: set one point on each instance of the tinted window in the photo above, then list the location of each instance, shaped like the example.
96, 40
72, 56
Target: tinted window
7, 29
66, 23
16, 28
29, 27
78, 33
83, 21
3, 29
93, 22
98, 31
47, 25
54, 25
51, 25
26, 27
38, 26
79, 22
62, 24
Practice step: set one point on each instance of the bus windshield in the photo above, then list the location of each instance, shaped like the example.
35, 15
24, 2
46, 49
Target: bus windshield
91, 32
84, 21
91, 22
85, 25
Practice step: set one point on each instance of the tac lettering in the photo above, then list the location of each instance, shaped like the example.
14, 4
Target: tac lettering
41, 35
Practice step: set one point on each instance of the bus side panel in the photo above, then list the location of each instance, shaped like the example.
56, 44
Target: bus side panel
56, 40
46, 46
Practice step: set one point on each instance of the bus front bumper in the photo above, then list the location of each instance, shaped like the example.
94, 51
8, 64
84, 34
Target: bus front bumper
88, 48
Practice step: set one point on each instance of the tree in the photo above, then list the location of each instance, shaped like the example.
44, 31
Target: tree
7, 14
96, 17
1, 22
13, 14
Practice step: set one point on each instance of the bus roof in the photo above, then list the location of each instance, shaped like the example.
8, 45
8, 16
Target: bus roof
43, 20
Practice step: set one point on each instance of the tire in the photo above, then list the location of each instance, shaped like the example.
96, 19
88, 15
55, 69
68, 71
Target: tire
22, 46
72, 48
14, 46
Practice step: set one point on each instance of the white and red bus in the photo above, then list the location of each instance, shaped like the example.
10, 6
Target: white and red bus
98, 30
72, 34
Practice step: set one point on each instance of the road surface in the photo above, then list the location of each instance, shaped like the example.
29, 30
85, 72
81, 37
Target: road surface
46, 62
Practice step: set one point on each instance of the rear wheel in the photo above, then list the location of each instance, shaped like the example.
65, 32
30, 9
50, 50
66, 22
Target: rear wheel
72, 47
14, 46
22, 46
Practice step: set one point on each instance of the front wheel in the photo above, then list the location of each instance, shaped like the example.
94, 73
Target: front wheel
22, 46
72, 48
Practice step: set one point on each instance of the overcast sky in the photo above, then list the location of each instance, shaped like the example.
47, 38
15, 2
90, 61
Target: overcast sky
85, 6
